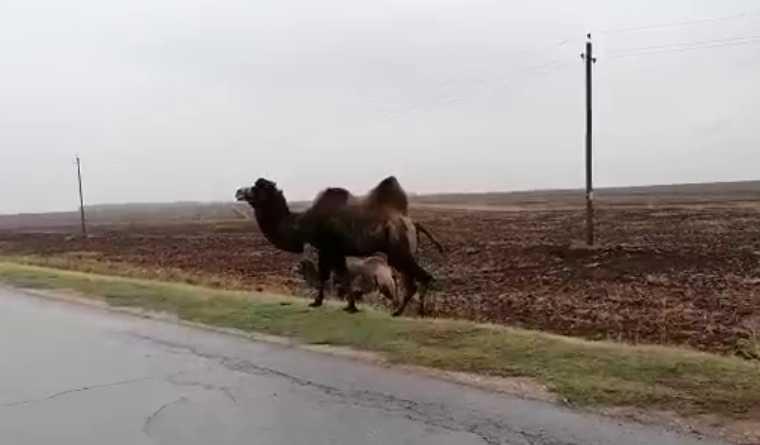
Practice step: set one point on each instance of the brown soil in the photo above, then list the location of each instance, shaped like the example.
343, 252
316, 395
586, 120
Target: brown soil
668, 275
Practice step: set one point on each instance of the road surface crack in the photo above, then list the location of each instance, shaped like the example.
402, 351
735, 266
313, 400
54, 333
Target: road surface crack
492, 431
207, 386
74, 390
149, 420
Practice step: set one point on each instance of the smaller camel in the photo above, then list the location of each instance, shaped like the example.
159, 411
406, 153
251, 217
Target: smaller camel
365, 275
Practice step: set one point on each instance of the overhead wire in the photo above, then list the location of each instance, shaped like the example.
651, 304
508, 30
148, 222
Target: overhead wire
551, 64
683, 46
686, 46
692, 43
743, 15
656, 49
567, 39
558, 63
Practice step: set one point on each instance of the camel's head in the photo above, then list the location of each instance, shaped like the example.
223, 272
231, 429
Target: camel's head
258, 195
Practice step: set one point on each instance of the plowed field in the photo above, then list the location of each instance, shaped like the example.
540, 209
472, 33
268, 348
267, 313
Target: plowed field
676, 275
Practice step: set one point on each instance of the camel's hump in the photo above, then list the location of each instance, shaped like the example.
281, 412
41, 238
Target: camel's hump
388, 193
331, 198
390, 181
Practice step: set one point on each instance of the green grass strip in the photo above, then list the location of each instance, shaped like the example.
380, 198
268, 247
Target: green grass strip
583, 372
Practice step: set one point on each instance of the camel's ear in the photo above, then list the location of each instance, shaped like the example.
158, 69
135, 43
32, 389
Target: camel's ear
265, 183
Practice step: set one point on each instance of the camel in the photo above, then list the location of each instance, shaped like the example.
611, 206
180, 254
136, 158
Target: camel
339, 225
365, 275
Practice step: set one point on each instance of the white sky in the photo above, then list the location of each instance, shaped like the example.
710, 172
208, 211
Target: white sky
187, 100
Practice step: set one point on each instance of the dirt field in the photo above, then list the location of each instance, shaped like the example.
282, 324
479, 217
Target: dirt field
671, 275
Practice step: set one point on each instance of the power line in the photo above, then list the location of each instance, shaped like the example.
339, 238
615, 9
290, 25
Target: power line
554, 44
678, 49
689, 44
545, 67
681, 23
552, 63
542, 68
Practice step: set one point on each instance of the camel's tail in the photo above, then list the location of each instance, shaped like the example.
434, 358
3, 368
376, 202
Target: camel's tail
421, 228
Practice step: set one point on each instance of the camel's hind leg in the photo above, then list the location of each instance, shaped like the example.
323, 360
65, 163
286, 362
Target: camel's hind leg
389, 291
411, 272
325, 268
344, 286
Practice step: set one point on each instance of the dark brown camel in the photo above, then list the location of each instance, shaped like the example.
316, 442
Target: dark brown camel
340, 225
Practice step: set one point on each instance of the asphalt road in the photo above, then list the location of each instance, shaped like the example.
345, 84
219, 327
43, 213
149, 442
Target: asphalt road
71, 374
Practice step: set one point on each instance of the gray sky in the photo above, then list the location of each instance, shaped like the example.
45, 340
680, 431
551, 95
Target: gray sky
187, 100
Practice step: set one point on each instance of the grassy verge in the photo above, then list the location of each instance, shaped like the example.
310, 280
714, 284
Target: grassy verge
92, 262
585, 373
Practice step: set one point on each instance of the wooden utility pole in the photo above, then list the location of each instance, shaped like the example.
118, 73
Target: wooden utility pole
81, 198
589, 59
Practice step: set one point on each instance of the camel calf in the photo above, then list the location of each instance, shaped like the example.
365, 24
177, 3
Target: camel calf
365, 275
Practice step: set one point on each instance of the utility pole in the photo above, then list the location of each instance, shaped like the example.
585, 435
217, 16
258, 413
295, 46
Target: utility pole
81, 198
589, 59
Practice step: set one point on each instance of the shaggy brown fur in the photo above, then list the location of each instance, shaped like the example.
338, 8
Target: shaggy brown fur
339, 225
387, 194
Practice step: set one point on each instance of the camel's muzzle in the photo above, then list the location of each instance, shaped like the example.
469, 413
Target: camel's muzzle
242, 193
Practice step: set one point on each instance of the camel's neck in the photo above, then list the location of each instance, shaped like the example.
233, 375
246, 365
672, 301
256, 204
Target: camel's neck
280, 226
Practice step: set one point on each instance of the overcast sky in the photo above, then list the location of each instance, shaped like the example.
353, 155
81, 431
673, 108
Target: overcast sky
187, 100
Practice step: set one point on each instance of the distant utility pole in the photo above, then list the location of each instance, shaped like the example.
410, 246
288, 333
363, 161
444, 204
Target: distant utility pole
589, 59
81, 198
